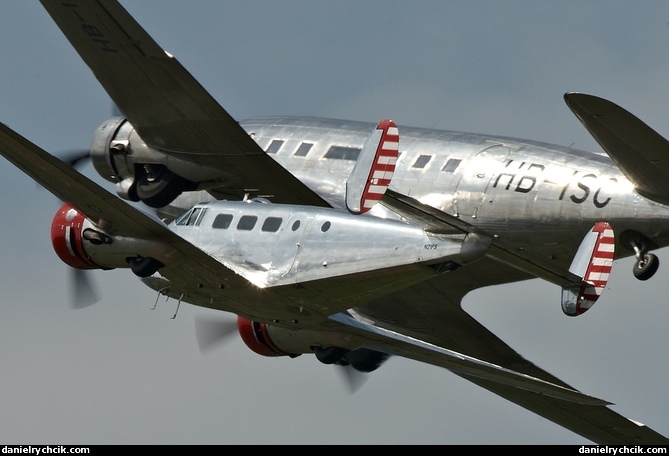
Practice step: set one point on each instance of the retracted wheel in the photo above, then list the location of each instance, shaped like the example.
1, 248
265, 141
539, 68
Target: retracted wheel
144, 266
330, 355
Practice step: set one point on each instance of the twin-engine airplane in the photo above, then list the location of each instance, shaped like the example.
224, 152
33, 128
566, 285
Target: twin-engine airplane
346, 240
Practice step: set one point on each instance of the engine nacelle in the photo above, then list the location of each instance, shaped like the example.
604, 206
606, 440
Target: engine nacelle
140, 172
67, 238
329, 348
82, 245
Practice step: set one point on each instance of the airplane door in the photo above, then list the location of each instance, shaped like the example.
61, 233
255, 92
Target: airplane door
288, 247
479, 173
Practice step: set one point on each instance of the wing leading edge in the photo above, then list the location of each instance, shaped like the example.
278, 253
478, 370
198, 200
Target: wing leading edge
508, 375
172, 112
430, 316
431, 312
168, 107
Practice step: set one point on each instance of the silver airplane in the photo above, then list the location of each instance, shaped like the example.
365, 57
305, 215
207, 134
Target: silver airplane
351, 241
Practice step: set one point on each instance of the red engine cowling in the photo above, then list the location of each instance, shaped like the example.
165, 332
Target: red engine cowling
329, 348
256, 337
67, 238
271, 340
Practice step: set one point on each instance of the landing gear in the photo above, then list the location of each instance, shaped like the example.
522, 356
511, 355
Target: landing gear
157, 186
361, 359
329, 355
646, 263
144, 266
646, 266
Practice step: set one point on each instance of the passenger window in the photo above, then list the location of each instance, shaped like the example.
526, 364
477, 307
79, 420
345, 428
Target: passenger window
422, 161
451, 165
222, 221
247, 222
303, 150
274, 146
343, 153
271, 224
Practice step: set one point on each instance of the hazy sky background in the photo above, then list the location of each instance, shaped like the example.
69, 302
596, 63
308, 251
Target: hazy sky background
120, 373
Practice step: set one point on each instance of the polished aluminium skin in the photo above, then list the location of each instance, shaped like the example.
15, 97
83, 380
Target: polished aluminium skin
255, 218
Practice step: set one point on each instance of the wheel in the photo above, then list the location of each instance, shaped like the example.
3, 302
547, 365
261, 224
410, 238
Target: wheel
645, 268
329, 355
144, 267
160, 188
365, 360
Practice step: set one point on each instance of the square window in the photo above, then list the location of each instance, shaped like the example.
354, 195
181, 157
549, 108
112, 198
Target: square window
272, 224
303, 150
247, 222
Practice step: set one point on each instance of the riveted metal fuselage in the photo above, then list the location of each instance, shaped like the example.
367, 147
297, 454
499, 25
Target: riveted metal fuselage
535, 198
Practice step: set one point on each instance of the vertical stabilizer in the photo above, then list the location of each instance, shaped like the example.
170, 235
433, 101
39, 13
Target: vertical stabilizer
374, 169
592, 262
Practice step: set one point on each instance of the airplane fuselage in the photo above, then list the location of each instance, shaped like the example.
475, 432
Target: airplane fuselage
536, 198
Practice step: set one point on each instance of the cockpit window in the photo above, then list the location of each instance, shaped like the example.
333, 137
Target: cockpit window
192, 217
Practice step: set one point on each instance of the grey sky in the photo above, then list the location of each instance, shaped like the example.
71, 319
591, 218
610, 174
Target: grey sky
120, 373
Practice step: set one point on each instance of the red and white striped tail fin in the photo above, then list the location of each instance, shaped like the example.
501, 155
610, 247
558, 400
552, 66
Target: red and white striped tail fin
374, 169
592, 262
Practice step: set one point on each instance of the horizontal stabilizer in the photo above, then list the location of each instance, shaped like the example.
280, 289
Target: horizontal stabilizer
640, 152
374, 168
592, 262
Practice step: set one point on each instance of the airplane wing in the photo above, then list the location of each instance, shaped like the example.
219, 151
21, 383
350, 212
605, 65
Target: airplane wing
639, 151
423, 322
170, 110
431, 312
192, 265
174, 113
439, 222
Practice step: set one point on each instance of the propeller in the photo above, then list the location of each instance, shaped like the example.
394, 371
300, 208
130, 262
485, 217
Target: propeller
84, 293
355, 366
212, 333
353, 379
74, 158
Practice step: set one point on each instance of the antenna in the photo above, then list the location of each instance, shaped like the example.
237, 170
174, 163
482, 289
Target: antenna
178, 305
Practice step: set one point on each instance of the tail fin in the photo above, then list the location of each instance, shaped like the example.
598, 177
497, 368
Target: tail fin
374, 169
592, 262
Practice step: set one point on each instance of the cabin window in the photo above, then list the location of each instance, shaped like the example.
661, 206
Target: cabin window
247, 222
222, 221
343, 153
274, 146
303, 150
326, 226
296, 225
272, 224
451, 165
192, 217
422, 161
